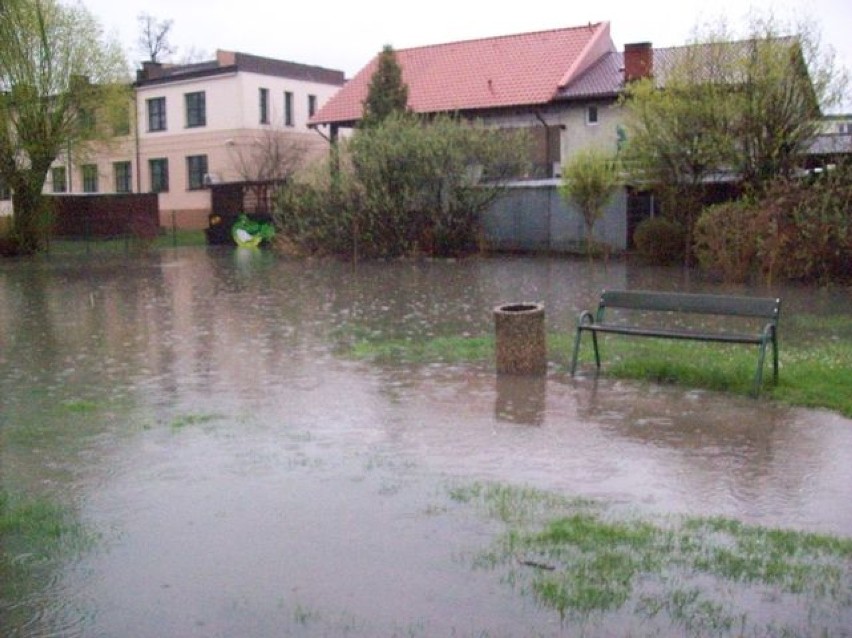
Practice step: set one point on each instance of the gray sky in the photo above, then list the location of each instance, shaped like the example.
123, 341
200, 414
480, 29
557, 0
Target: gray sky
345, 34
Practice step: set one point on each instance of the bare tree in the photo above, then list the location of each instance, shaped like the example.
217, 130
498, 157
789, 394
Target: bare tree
265, 162
154, 37
271, 156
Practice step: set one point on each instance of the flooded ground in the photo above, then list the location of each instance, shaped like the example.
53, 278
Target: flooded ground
242, 476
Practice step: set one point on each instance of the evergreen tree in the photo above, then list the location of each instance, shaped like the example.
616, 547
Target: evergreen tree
387, 93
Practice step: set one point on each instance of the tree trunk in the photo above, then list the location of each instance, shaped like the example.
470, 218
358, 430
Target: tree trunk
32, 214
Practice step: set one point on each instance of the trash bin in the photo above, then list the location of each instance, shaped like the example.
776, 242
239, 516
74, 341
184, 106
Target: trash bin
520, 338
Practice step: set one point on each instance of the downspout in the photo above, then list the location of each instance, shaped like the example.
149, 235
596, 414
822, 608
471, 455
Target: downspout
548, 155
136, 140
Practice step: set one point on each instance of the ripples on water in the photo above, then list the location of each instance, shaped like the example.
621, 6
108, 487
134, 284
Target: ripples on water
196, 410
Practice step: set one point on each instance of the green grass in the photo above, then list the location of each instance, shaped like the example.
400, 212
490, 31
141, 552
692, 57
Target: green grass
167, 239
815, 361
186, 420
701, 574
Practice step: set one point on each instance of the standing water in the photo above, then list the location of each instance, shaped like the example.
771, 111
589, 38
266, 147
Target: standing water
236, 470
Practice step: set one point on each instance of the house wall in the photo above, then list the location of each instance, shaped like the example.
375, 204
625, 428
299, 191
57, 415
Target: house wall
229, 134
532, 216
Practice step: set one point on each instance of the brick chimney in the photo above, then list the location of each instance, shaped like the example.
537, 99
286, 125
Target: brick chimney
149, 71
638, 61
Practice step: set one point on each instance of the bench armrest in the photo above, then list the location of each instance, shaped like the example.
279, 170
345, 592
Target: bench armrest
585, 318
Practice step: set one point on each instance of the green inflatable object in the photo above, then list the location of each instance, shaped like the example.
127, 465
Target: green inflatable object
249, 234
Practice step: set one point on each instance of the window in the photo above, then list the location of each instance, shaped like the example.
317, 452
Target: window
264, 106
196, 109
90, 178
5, 193
288, 108
123, 177
592, 115
159, 175
196, 169
312, 105
157, 114
58, 180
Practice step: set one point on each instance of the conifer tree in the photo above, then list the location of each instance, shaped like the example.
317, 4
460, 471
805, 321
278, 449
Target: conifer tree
387, 92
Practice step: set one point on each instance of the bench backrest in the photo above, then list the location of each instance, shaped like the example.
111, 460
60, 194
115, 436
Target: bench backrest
766, 307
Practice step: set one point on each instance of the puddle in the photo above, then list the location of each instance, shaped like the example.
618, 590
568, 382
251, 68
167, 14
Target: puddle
242, 477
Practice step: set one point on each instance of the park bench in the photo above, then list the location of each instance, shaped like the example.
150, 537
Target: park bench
650, 304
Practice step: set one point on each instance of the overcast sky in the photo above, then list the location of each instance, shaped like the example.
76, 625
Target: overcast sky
346, 34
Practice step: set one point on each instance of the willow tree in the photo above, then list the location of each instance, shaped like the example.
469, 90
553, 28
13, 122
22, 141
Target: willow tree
62, 84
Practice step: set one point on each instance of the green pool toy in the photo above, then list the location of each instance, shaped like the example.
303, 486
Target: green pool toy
249, 234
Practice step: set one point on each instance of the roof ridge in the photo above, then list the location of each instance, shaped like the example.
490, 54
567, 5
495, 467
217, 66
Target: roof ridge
580, 63
590, 26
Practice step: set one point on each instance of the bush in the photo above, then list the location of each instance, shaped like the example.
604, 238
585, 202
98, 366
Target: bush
726, 239
406, 186
807, 221
659, 240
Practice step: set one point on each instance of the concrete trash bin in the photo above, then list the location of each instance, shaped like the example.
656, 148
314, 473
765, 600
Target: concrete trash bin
520, 338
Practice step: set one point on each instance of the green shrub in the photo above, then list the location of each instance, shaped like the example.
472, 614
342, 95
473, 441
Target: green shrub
405, 186
659, 240
807, 228
726, 239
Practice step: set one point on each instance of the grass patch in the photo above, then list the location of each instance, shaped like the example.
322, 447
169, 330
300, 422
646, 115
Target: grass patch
118, 245
448, 349
187, 420
700, 574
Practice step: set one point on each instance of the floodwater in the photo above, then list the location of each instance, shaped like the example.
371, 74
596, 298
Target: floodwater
241, 475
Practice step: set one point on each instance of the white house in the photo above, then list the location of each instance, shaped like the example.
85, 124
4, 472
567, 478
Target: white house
202, 123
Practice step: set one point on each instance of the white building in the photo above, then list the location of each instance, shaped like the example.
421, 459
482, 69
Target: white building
203, 123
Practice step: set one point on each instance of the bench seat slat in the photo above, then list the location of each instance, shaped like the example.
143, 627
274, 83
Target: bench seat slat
721, 337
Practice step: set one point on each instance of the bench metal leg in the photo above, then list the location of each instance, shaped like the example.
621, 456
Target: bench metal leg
775, 359
758, 377
577, 350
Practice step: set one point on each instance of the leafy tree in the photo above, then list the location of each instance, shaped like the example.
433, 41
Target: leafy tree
728, 108
590, 180
407, 186
58, 77
387, 92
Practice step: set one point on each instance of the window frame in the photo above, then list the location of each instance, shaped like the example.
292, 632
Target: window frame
593, 116
123, 176
161, 172
263, 105
156, 116
196, 169
89, 178
289, 119
55, 183
195, 109
312, 105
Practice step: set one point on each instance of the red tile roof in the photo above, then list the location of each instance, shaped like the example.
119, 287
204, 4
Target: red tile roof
505, 71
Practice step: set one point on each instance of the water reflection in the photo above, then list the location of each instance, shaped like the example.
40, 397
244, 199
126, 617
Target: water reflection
200, 406
520, 399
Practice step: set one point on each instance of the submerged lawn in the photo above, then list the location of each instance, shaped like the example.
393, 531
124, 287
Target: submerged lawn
815, 365
702, 576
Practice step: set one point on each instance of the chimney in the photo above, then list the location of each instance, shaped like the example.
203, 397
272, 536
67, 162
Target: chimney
226, 58
638, 61
150, 71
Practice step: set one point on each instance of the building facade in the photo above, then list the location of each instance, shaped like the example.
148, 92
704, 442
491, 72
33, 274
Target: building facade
239, 117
